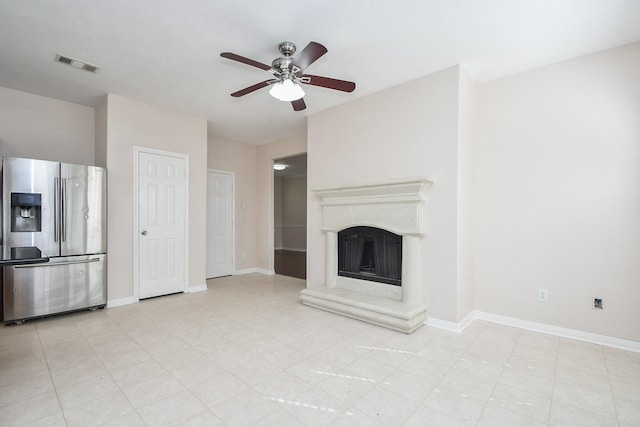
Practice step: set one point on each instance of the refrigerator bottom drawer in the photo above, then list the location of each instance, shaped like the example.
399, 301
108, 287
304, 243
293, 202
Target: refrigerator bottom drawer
61, 285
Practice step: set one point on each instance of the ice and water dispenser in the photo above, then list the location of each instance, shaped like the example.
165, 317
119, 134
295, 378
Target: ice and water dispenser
26, 212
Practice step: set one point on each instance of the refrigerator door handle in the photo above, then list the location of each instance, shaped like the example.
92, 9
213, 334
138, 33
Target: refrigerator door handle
56, 209
51, 264
63, 210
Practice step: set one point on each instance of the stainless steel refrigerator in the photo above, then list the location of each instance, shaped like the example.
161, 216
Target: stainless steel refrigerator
61, 209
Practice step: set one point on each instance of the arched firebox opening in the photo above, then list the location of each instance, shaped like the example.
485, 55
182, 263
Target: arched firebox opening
370, 253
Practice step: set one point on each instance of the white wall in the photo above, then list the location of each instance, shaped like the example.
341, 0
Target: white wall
406, 131
34, 126
241, 159
557, 194
130, 123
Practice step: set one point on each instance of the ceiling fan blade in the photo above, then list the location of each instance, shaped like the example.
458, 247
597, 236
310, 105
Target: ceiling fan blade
309, 55
244, 60
328, 82
253, 88
298, 104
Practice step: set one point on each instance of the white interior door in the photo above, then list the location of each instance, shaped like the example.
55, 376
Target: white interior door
162, 208
219, 224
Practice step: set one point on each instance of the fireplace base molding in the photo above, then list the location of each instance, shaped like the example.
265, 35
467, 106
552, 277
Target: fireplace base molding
380, 311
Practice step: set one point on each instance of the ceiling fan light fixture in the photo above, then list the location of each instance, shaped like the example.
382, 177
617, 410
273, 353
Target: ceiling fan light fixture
286, 90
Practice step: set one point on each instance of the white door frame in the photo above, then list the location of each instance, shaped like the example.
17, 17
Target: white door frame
272, 224
233, 213
136, 211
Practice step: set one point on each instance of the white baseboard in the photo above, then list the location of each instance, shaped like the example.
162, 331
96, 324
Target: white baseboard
198, 288
121, 301
560, 332
451, 326
442, 324
536, 327
254, 270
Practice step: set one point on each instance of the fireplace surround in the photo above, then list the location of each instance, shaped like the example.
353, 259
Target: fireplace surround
393, 206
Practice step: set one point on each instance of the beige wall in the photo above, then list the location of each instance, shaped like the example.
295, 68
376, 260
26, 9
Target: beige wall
101, 133
285, 147
34, 126
293, 218
277, 212
239, 158
557, 194
466, 135
294, 203
406, 131
130, 123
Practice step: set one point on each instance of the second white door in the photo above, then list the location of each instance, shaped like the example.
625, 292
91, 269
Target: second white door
219, 224
162, 224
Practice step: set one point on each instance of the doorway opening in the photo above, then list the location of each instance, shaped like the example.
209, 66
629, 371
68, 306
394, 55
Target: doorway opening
290, 216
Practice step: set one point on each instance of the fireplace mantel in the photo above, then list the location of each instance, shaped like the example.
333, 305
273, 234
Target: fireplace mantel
384, 192
395, 206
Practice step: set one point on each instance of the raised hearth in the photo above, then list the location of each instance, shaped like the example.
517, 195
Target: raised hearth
392, 206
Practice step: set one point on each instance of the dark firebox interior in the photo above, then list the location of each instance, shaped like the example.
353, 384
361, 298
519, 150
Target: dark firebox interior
369, 253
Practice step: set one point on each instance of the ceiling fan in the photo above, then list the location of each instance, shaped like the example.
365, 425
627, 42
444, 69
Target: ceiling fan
288, 74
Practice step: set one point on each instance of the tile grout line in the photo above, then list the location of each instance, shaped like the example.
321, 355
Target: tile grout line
55, 388
613, 397
484, 408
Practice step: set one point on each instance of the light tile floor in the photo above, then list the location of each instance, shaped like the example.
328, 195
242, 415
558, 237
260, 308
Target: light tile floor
247, 353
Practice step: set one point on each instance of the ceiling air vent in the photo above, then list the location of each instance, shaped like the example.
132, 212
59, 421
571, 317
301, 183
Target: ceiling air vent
76, 63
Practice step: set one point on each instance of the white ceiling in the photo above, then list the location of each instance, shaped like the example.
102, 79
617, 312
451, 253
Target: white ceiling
166, 52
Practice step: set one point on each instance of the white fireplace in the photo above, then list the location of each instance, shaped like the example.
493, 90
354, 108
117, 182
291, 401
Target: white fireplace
396, 207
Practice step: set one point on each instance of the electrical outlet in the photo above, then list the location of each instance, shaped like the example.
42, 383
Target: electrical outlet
597, 303
543, 295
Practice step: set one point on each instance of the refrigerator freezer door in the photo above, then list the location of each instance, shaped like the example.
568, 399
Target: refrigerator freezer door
61, 285
83, 226
36, 177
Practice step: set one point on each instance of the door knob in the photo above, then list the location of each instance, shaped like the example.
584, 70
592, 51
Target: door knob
144, 232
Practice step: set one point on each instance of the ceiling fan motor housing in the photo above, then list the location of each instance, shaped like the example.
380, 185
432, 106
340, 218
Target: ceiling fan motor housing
281, 64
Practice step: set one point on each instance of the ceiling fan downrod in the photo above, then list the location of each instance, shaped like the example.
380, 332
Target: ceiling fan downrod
287, 48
